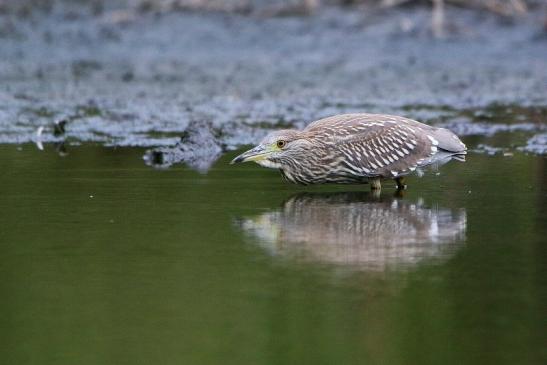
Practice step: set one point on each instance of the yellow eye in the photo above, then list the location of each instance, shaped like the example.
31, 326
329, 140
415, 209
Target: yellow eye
281, 143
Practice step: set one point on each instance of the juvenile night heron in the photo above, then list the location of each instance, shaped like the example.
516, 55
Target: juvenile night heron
356, 148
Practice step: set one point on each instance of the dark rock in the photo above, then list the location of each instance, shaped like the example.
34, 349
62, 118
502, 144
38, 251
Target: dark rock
198, 148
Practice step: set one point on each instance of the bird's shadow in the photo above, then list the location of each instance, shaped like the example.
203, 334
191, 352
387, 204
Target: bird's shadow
366, 229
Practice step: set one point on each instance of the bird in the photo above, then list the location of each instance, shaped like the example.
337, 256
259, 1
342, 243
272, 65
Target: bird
356, 148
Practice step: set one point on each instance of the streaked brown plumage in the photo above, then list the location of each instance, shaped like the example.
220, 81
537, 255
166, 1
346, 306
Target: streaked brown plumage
356, 148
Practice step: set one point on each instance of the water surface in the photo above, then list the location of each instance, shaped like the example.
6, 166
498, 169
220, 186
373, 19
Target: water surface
107, 261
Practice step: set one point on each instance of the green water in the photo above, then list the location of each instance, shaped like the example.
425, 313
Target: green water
104, 260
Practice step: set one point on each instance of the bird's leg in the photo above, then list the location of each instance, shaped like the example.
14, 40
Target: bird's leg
400, 183
375, 184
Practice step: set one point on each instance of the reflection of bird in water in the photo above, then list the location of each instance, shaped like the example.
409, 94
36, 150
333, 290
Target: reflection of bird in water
358, 228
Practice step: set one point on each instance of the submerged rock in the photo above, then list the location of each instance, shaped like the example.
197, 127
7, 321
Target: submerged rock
198, 148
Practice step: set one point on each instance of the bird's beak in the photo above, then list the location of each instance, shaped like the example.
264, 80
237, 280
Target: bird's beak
256, 154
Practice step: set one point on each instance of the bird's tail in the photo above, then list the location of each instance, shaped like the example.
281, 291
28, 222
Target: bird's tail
450, 142
459, 156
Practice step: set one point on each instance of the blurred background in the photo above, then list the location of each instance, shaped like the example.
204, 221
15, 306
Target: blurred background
126, 237
222, 73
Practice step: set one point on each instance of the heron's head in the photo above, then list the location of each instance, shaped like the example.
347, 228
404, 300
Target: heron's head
276, 148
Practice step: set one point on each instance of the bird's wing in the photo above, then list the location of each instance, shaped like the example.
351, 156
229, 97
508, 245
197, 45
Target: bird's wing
377, 145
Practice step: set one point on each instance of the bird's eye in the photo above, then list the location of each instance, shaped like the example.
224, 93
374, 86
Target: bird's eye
281, 143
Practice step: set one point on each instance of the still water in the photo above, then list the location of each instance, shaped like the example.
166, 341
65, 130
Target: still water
107, 261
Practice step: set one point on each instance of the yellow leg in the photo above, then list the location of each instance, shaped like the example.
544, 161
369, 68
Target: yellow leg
375, 184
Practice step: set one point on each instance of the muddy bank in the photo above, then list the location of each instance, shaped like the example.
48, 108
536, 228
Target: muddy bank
143, 80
